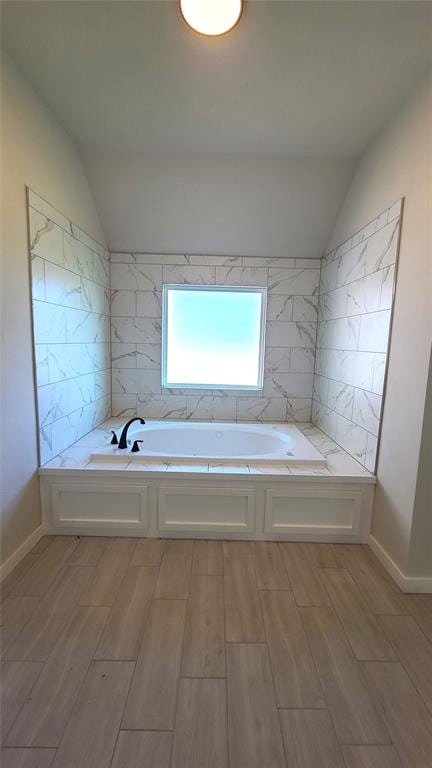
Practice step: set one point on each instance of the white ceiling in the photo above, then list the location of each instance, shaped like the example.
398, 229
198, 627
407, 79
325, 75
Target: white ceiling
294, 78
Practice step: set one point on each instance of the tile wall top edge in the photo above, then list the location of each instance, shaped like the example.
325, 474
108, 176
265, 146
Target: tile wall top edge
45, 208
199, 259
393, 212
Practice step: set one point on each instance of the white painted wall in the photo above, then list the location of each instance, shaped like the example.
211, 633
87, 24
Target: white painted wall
37, 152
233, 205
421, 542
399, 163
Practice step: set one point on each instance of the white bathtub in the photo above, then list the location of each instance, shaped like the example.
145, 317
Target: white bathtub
230, 443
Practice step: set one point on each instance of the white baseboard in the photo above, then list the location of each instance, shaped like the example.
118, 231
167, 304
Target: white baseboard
21, 552
405, 583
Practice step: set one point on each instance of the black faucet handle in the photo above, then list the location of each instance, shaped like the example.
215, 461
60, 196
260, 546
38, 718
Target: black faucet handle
123, 442
135, 448
114, 439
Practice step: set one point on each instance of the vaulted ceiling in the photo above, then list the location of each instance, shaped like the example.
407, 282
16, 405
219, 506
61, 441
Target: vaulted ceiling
295, 78
129, 81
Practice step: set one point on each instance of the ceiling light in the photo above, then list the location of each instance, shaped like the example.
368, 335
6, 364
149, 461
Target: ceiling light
211, 17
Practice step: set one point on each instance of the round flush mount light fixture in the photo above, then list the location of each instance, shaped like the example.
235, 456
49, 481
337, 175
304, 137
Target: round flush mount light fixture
211, 17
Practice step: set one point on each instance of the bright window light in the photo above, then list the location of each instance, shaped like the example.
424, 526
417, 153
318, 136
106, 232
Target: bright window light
213, 337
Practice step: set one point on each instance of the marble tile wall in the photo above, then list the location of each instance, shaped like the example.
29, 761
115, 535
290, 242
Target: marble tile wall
136, 283
70, 280
355, 305
97, 328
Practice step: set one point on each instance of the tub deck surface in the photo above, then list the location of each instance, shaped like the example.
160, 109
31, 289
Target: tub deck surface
337, 462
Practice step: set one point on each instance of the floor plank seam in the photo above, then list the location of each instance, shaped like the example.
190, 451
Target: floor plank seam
188, 601
122, 716
226, 662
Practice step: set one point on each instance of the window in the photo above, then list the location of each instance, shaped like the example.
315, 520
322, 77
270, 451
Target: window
213, 336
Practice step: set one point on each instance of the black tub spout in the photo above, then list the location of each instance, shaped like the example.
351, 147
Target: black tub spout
123, 437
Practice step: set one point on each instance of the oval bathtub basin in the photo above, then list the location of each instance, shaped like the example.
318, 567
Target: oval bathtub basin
216, 441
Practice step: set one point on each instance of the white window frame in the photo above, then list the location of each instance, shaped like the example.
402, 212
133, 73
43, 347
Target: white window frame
214, 288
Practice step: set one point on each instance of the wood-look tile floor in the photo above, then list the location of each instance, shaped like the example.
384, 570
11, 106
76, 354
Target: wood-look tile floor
139, 653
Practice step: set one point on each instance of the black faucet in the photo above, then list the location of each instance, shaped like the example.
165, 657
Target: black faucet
123, 437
